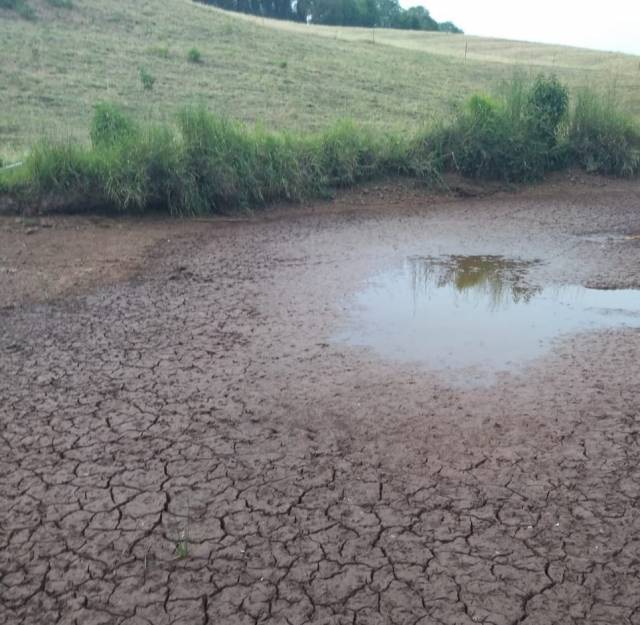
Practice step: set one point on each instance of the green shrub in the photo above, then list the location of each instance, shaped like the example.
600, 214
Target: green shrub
485, 142
147, 79
194, 56
109, 124
512, 137
547, 106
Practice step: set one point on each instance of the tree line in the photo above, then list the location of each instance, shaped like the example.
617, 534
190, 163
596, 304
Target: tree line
369, 13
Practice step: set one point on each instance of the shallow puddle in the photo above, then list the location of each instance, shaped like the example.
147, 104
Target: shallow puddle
476, 311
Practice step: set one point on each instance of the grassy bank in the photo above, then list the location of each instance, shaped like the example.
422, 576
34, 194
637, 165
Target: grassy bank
287, 76
204, 164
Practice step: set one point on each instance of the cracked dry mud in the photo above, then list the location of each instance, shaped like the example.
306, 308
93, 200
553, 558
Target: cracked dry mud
202, 410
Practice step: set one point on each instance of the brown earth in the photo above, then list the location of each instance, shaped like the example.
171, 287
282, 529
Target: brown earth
189, 445
42, 258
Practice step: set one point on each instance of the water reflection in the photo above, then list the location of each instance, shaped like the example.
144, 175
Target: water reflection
498, 280
478, 311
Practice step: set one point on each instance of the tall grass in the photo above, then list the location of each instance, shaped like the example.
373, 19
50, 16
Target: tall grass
601, 137
515, 135
206, 164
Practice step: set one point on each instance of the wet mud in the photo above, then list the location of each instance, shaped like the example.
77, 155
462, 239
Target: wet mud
192, 446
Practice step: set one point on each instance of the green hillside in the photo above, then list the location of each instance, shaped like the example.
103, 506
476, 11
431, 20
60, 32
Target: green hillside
286, 75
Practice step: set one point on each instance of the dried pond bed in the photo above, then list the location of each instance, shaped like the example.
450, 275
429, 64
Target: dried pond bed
191, 446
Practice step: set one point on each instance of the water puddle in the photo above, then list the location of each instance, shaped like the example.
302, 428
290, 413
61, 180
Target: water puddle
476, 311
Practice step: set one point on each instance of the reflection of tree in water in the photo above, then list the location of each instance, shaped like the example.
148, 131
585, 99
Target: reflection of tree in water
501, 279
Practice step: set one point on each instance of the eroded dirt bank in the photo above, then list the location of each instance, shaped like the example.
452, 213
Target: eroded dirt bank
204, 411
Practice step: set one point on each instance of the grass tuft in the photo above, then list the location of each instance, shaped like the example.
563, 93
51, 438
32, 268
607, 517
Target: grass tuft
194, 56
147, 79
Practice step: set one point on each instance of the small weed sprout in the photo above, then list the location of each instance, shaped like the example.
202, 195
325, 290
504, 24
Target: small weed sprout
147, 79
283, 65
182, 545
194, 56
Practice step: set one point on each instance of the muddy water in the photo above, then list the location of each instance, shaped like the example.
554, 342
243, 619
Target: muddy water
476, 311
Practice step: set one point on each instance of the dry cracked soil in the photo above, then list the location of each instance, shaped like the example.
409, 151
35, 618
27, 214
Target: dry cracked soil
187, 444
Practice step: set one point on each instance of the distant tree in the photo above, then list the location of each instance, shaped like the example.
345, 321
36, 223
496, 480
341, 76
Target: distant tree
449, 27
388, 13
369, 13
416, 18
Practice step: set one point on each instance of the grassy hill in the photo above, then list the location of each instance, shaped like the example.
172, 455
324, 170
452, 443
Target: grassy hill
56, 66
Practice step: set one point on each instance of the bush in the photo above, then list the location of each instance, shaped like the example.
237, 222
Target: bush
513, 137
194, 56
547, 106
485, 142
147, 79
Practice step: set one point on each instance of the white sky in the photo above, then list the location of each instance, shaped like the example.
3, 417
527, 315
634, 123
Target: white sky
600, 24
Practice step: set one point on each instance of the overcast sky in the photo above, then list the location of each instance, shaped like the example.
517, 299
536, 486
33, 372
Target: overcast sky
602, 24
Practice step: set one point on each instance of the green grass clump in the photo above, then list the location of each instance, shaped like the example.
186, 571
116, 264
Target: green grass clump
147, 79
205, 163
602, 138
110, 124
194, 56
